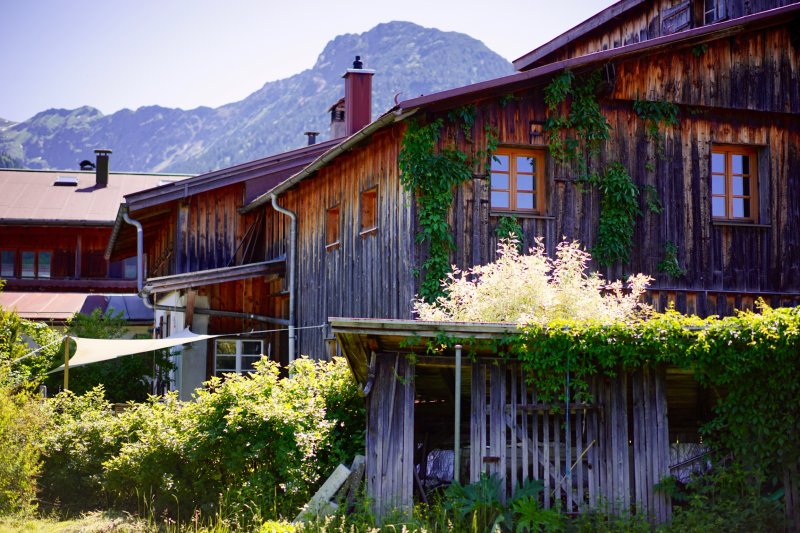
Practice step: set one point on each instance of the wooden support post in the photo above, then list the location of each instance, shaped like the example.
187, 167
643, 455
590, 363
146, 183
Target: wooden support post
66, 363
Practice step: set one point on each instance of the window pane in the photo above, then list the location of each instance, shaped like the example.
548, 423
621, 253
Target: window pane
526, 164
717, 184
248, 362
226, 347
737, 167
500, 162
251, 347
717, 162
44, 264
718, 207
741, 186
525, 200
130, 268
499, 181
28, 264
741, 208
7, 263
524, 182
226, 363
500, 199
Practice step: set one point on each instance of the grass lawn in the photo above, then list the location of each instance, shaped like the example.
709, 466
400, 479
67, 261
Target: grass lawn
88, 523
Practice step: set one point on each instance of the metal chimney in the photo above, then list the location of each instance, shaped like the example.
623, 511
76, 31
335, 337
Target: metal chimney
312, 136
102, 167
357, 97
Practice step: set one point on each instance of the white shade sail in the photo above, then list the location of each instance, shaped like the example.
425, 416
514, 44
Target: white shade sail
90, 351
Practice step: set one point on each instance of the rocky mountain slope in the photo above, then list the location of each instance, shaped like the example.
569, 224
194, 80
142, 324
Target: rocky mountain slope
408, 59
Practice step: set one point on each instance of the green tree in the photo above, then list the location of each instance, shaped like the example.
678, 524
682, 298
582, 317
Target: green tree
126, 378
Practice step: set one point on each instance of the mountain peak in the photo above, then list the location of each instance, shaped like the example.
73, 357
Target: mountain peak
408, 59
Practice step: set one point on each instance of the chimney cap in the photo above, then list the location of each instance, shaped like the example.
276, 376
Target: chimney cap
102, 151
358, 64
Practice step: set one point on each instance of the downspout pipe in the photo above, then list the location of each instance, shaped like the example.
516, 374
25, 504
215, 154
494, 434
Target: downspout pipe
457, 421
290, 267
139, 257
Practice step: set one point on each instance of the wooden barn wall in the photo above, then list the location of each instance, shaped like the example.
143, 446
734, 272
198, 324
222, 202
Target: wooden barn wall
649, 21
367, 275
757, 71
728, 266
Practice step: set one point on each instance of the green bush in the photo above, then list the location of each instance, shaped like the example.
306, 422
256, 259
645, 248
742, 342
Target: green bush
82, 434
249, 446
21, 420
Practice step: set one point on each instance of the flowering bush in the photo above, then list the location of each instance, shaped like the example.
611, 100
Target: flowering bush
534, 288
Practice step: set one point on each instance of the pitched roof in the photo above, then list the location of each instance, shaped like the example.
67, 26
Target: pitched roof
592, 23
62, 306
537, 76
32, 196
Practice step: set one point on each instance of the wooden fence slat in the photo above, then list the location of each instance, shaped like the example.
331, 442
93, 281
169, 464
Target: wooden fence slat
546, 448
513, 448
579, 421
559, 479
569, 481
526, 474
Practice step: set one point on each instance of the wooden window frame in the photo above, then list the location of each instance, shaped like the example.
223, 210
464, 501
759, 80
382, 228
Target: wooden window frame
333, 226
238, 356
368, 219
13, 253
539, 207
36, 263
729, 150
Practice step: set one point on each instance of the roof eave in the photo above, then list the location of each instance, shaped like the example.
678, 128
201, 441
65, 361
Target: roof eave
580, 30
390, 117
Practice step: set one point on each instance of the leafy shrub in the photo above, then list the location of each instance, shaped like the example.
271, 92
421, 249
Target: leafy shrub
249, 446
18, 340
21, 420
82, 434
534, 288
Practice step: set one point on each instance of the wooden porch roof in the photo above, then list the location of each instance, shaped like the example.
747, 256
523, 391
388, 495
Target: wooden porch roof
269, 269
360, 337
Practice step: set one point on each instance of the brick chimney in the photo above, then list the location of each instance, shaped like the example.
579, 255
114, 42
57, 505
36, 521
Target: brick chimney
101, 167
357, 97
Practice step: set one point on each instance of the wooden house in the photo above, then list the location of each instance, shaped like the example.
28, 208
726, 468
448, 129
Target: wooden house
702, 101
54, 226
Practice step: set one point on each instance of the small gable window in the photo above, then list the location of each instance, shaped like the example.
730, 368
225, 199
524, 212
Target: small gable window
517, 181
734, 183
369, 210
714, 11
332, 227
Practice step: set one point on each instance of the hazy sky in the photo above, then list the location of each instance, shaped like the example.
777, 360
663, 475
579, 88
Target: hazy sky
113, 54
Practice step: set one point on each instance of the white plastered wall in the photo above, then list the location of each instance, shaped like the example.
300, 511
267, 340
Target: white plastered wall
190, 360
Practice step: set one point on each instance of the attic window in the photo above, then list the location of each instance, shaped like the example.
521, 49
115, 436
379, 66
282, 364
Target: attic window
66, 181
369, 210
714, 11
332, 228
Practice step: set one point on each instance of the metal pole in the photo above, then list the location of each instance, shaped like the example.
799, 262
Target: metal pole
66, 363
457, 436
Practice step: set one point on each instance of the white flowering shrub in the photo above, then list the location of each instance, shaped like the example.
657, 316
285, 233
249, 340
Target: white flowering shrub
534, 287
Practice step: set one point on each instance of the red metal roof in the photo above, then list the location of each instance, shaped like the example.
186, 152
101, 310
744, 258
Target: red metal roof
30, 196
62, 306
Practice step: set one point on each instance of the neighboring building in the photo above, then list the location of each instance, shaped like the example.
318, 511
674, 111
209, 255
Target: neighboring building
330, 231
54, 226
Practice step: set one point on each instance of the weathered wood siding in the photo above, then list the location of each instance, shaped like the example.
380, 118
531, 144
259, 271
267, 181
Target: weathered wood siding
390, 437
367, 275
743, 90
650, 20
739, 90
611, 452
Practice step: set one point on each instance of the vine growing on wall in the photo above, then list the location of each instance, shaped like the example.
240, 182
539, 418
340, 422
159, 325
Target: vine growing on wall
576, 138
431, 175
509, 228
619, 207
670, 264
